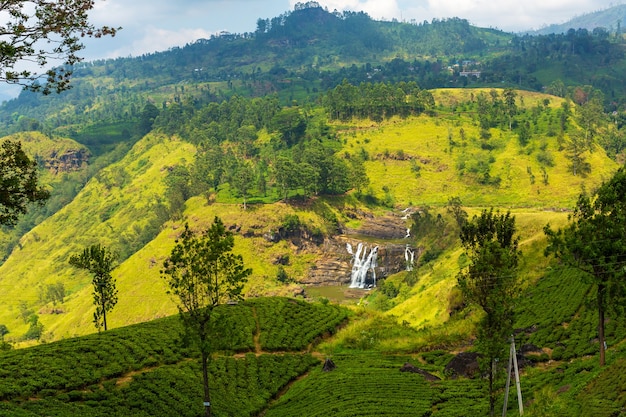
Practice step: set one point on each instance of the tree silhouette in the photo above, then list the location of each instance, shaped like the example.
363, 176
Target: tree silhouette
18, 182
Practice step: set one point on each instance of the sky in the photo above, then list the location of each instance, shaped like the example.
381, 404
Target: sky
157, 25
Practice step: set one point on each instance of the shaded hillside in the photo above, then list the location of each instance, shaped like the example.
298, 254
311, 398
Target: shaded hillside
64, 168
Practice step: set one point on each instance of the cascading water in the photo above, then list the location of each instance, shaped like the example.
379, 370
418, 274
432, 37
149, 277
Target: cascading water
361, 265
409, 257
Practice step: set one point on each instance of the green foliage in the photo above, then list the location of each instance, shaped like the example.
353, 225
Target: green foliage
291, 125
54, 293
426, 223
99, 261
291, 223
58, 27
491, 283
594, 243
455, 207
178, 190
18, 182
282, 276
202, 272
35, 328
371, 384
148, 115
243, 180
144, 369
376, 101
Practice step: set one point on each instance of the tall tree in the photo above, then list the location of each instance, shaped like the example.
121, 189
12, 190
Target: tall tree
44, 32
18, 182
291, 124
575, 148
287, 175
202, 272
358, 175
243, 179
455, 207
99, 261
490, 282
509, 105
591, 118
595, 243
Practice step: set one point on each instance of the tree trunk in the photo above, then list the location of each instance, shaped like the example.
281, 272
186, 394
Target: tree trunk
205, 380
104, 311
601, 322
492, 395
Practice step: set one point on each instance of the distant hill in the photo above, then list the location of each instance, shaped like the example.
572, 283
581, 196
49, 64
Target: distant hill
611, 19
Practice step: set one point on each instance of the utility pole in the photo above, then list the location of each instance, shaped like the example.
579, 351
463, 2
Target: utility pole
513, 362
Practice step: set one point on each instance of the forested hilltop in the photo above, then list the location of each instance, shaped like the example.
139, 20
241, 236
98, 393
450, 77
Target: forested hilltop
319, 138
308, 50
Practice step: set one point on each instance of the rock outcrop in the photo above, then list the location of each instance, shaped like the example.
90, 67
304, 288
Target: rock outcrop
66, 161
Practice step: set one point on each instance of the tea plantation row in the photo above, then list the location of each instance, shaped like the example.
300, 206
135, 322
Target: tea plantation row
240, 387
372, 385
558, 313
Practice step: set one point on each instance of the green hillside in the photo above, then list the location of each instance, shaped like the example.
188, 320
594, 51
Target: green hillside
416, 161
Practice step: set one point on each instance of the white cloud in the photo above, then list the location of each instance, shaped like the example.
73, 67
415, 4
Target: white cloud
158, 39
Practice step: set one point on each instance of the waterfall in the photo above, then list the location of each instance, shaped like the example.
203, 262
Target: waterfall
409, 256
362, 263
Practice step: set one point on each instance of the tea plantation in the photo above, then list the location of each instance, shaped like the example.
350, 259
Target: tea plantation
145, 370
266, 364
373, 385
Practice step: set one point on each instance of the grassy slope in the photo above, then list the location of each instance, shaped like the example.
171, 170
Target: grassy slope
425, 139
111, 205
118, 202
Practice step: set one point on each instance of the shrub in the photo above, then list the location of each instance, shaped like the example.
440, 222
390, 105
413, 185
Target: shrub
557, 353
